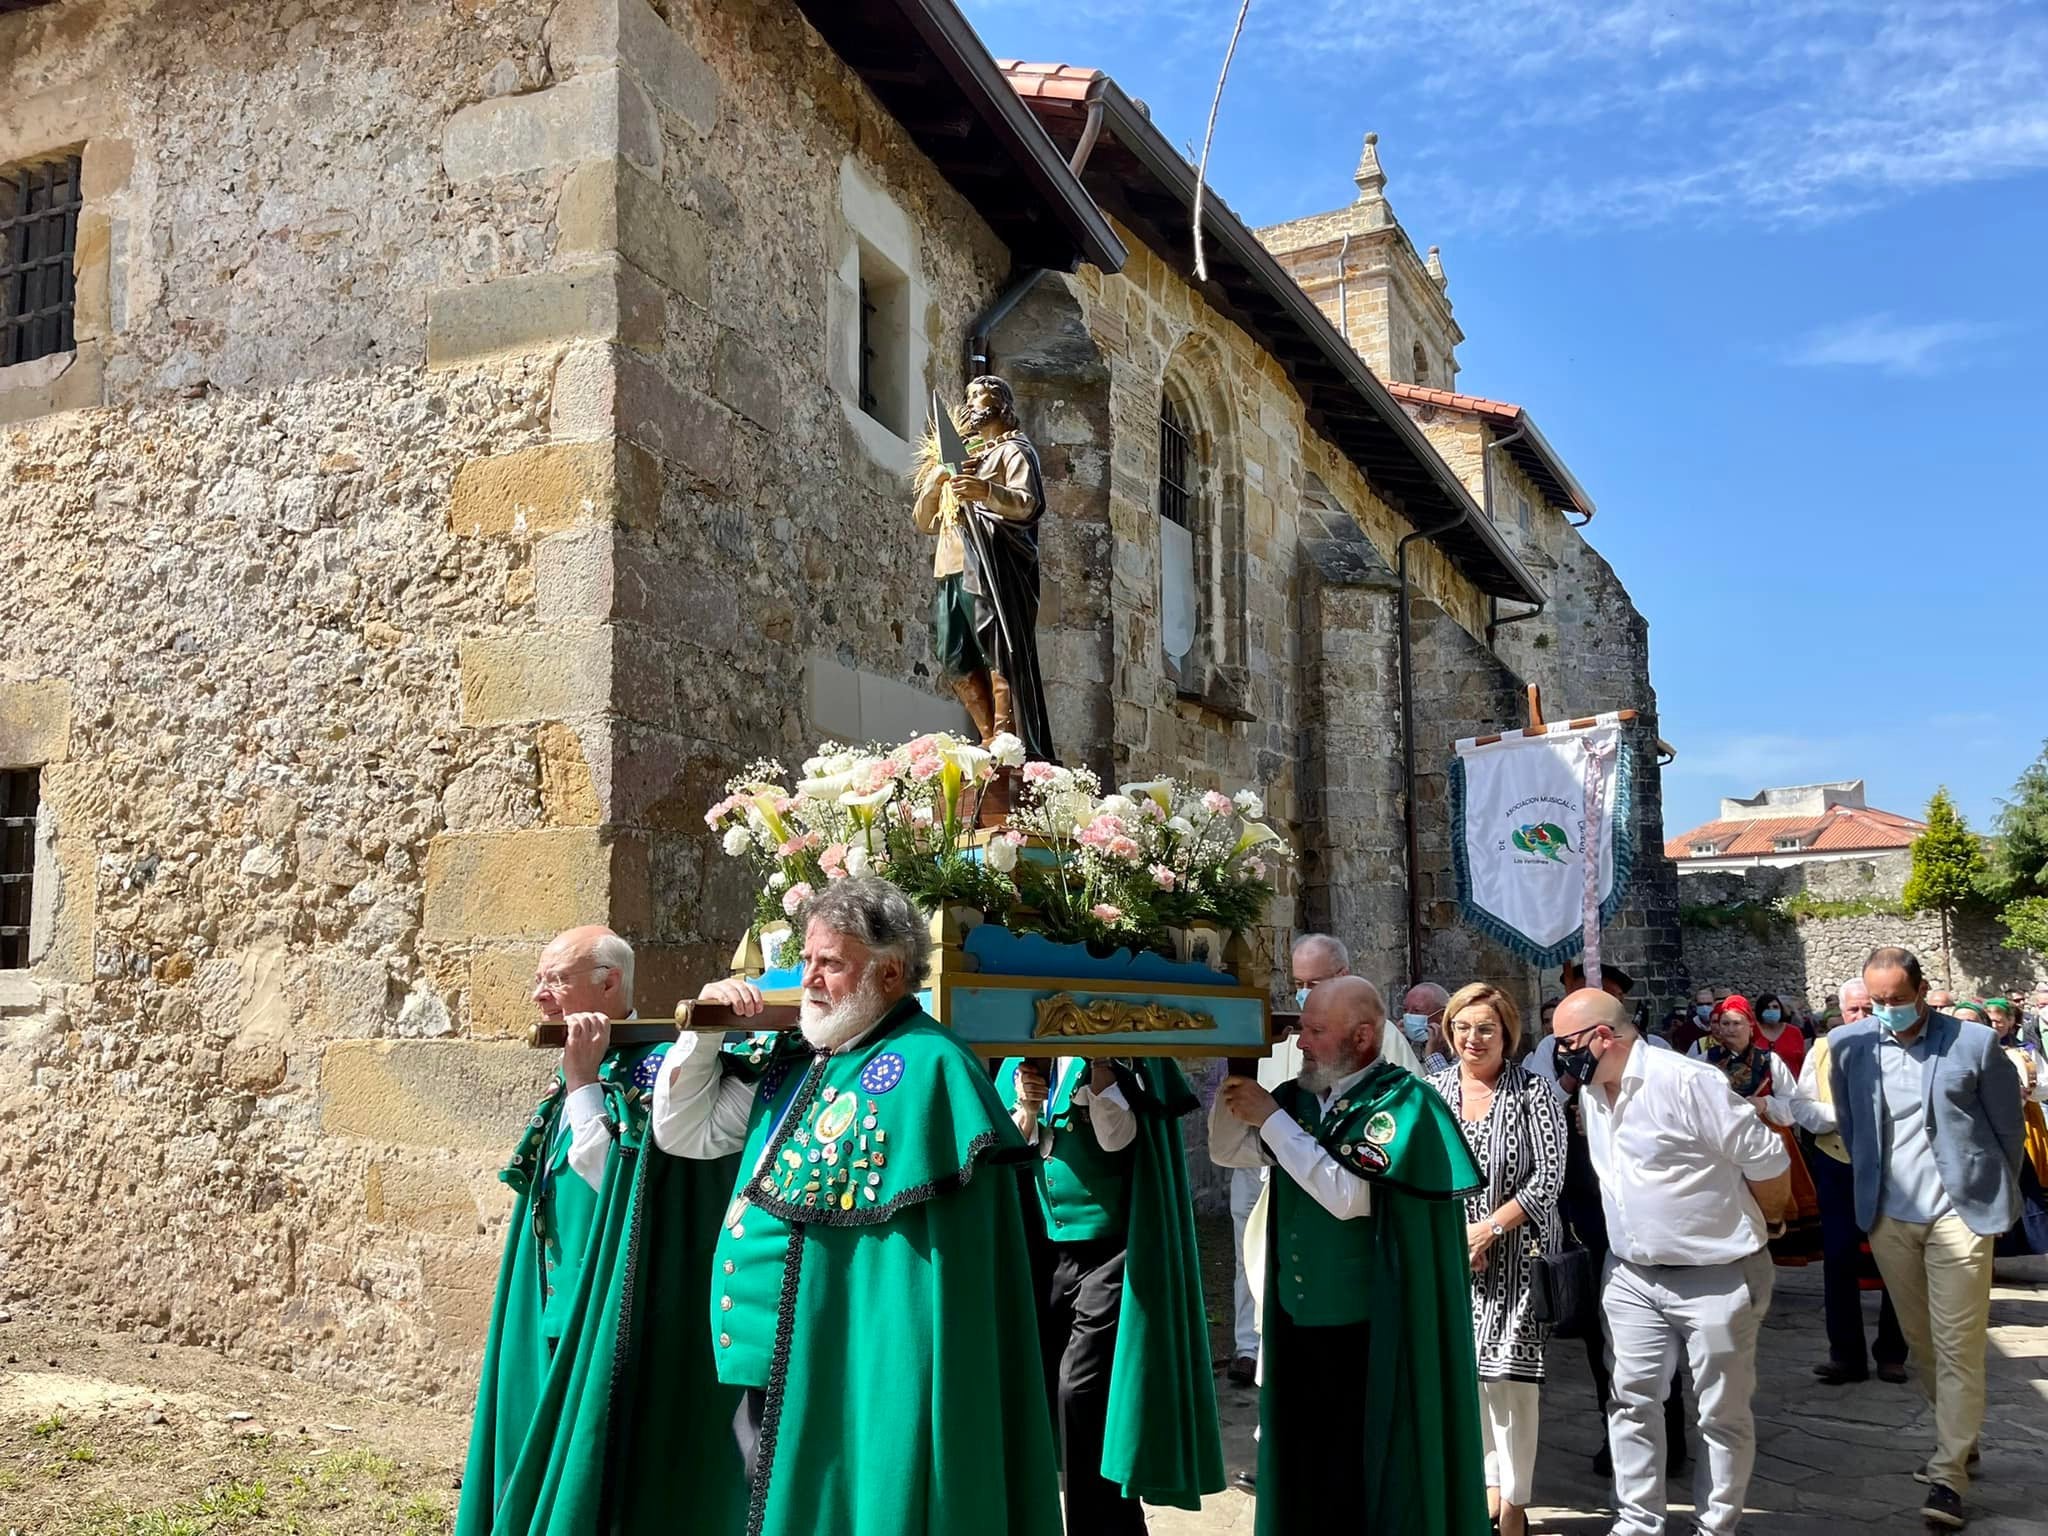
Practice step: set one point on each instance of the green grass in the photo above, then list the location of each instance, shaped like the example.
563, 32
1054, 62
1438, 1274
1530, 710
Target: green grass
233, 1502
45, 1428
82, 1453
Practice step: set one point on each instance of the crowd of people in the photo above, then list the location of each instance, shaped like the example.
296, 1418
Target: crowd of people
1897, 1137
848, 1277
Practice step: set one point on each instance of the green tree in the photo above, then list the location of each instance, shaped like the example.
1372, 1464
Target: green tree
2026, 924
2019, 860
1948, 869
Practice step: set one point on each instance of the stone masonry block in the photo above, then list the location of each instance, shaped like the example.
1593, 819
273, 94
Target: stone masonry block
535, 492
65, 381
591, 117
595, 34
677, 423
459, 1285
429, 1093
539, 675
573, 576
35, 723
744, 380
533, 312
422, 1199
501, 992
607, 206
531, 884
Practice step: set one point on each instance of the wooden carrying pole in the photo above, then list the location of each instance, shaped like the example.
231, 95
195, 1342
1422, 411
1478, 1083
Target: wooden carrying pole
1537, 727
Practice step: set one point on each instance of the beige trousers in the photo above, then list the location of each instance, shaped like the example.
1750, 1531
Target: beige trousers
1509, 1412
1939, 1276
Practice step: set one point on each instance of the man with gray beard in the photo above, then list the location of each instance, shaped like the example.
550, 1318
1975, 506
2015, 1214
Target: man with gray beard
871, 1289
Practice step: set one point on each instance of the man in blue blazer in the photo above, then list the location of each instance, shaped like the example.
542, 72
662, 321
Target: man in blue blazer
1929, 1109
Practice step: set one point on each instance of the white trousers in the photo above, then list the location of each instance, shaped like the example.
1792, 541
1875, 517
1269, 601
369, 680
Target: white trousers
1712, 1312
1508, 1413
1245, 1184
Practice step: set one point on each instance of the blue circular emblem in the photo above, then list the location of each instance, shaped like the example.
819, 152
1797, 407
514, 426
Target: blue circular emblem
647, 1071
883, 1073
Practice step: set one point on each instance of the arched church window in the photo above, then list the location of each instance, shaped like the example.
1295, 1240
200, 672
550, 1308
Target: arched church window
1180, 607
1421, 365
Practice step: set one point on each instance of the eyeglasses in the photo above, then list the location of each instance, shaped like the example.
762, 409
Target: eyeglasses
1571, 1041
1855, 1010
558, 981
1488, 1031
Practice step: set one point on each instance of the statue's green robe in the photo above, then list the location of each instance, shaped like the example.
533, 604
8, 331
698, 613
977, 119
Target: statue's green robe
893, 1335
1160, 1441
599, 1405
1425, 1465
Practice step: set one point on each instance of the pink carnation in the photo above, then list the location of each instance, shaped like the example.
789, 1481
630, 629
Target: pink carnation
794, 898
1152, 810
1015, 839
784, 805
1123, 847
924, 767
712, 816
1216, 803
1164, 878
1038, 773
833, 857
792, 848
1107, 913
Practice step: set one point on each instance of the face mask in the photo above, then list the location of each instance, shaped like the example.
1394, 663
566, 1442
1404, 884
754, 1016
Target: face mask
1300, 999
1772, 1015
1701, 1010
1415, 1026
1576, 1062
1896, 1018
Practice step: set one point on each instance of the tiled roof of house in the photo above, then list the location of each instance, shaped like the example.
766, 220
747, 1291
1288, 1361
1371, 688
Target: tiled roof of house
1840, 829
1535, 456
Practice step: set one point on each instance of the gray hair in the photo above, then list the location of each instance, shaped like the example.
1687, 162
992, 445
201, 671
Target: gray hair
615, 954
1327, 945
870, 909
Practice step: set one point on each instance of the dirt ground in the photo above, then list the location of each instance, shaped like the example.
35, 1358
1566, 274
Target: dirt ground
103, 1435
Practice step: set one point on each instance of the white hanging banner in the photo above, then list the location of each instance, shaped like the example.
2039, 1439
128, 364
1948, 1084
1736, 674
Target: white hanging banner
1542, 838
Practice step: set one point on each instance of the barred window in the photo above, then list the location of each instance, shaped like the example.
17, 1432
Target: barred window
39, 206
1176, 463
20, 793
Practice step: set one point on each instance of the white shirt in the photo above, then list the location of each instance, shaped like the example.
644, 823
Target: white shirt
1912, 1190
1781, 1105
590, 1142
1109, 1112
1807, 1108
698, 1111
1234, 1144
1672, 1151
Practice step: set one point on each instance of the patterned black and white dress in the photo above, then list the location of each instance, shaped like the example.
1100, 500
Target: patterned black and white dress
1520, 1143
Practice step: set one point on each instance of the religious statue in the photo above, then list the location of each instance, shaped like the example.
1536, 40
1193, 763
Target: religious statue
981, 498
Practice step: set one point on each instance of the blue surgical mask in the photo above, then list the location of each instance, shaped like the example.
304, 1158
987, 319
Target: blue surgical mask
1416, 1027
1301, 999
1772, 1015
1896, 1018
1702, 1011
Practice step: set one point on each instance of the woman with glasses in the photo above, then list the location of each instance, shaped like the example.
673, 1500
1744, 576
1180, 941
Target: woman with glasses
1515, 1126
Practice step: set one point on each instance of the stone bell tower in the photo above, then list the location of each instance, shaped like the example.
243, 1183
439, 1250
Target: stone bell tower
1360, 267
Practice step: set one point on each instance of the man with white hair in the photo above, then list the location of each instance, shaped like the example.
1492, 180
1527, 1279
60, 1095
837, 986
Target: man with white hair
591, 1363
1422, 1024
872, 1296
1369, 1402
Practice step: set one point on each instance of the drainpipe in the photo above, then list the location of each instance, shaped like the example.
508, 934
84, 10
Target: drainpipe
1408, 742
986, 322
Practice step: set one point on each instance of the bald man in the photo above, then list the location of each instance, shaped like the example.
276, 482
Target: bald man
597, 1369
1694, 1184
1369, 1403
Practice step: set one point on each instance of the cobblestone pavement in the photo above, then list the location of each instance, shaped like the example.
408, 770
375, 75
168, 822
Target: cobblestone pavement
1830, 1459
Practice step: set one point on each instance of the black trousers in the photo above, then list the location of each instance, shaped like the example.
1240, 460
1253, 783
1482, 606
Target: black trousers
1309, 1437
1080, 1295
1841, 1257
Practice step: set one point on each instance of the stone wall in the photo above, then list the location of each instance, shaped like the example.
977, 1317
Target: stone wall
1808, 957
458, 485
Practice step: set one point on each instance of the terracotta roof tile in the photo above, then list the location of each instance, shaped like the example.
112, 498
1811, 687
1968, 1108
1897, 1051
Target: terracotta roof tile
1842, 829
1057, 82
1479, 405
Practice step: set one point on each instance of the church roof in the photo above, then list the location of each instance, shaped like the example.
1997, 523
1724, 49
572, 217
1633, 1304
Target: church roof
1135, 173
927, 67
1538, 460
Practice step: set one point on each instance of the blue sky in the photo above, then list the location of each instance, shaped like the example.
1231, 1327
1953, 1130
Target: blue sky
1768, 275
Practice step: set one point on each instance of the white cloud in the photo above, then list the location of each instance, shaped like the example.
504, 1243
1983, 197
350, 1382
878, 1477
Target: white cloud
1888, 344
1579, 114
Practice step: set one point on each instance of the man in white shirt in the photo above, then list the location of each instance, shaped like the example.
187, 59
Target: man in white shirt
585, 980
1692, 1182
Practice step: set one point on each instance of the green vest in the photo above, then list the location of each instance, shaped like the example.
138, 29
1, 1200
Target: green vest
1083, 1191
1321, 1264
752, 1253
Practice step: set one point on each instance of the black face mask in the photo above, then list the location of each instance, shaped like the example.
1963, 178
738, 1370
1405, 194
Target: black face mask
1576, 1061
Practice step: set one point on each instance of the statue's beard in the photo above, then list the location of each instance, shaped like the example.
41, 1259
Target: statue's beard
976, 420
1319, 1079
828, 1026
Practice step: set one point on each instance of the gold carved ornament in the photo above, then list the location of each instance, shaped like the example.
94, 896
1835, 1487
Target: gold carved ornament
1065, 1015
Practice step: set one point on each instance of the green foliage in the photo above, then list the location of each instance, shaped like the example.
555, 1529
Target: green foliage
234, 1502
2026, 924
2019, 866
42, 1429
1758, 918
1805, 906
1948, 861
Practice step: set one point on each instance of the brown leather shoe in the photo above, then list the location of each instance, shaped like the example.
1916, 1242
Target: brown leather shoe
973, 692
1243, 1371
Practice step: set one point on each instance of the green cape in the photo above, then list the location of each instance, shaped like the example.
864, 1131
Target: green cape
1160, 1442
595, 1432
905, 1396
1425, 1466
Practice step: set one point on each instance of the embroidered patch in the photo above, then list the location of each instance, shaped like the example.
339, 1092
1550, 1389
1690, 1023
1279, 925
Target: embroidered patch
1379, 1130
647, 1071
1371, 1156
883, 1073
835, 1118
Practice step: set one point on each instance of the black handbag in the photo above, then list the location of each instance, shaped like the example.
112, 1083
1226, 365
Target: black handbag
1564, 1292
